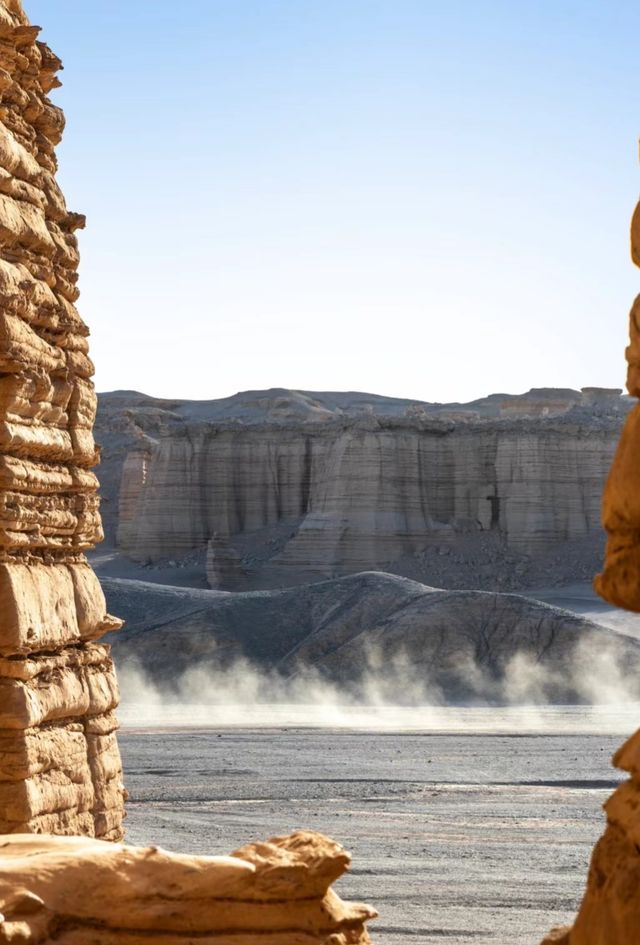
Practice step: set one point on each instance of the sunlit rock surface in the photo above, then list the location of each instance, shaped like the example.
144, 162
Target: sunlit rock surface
300, 487
619, 582
60, 769
74, 891
610, 911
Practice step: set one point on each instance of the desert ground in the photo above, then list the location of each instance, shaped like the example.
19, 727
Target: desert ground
465, 825
463, 837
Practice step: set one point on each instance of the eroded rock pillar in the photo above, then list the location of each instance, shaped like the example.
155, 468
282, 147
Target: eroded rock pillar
610, 911
60, 769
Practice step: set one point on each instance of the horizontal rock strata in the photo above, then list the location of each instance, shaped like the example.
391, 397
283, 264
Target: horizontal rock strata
60, 769
74, 891
284, 496
619, 582
610, 910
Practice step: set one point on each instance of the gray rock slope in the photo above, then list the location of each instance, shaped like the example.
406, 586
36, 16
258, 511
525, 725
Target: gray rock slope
377, 636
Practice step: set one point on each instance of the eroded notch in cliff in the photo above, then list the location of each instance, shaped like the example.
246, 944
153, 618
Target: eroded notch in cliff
494, 502
305, 485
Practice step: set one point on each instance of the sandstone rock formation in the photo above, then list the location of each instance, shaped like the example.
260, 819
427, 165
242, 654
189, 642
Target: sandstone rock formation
367, 636
60, 770
620, 583
75, 890
59, 763
300, 487
610, 911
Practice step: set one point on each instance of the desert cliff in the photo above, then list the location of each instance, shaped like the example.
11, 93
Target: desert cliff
286, 487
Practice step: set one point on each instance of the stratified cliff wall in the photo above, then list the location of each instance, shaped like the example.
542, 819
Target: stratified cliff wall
610, 911
336, 494
60, 768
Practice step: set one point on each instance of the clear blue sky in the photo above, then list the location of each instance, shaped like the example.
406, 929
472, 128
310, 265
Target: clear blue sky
416, 198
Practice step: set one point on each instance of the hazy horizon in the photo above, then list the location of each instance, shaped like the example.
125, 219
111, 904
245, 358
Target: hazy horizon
425, 200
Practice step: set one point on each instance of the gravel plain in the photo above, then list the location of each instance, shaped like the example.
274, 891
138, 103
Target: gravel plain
461, 837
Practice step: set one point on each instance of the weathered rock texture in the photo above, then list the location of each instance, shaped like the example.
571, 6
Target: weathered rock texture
620, 581
287, 487
59, 763
610, 911
74, 891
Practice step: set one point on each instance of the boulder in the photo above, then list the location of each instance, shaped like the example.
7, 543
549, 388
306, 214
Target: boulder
76, 890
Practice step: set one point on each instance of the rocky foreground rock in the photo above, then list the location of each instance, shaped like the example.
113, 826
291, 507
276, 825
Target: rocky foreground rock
610, 910
76, 891
60, 768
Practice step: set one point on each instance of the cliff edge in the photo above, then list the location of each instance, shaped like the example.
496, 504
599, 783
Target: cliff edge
275, 488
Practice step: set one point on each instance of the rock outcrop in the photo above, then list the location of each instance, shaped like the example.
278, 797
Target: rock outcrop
301, 487
610, 910
60, 768
619, 583
75, 890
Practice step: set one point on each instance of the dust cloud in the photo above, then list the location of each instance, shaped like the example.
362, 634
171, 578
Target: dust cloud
525, 695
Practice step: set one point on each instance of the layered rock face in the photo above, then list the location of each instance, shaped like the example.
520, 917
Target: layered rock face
291, 495
620, 581
60, 768
610, 911
74, 891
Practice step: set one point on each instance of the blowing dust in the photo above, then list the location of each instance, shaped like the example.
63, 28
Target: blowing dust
396, 694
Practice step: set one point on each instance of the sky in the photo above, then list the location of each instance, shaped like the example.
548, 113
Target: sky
418, 198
